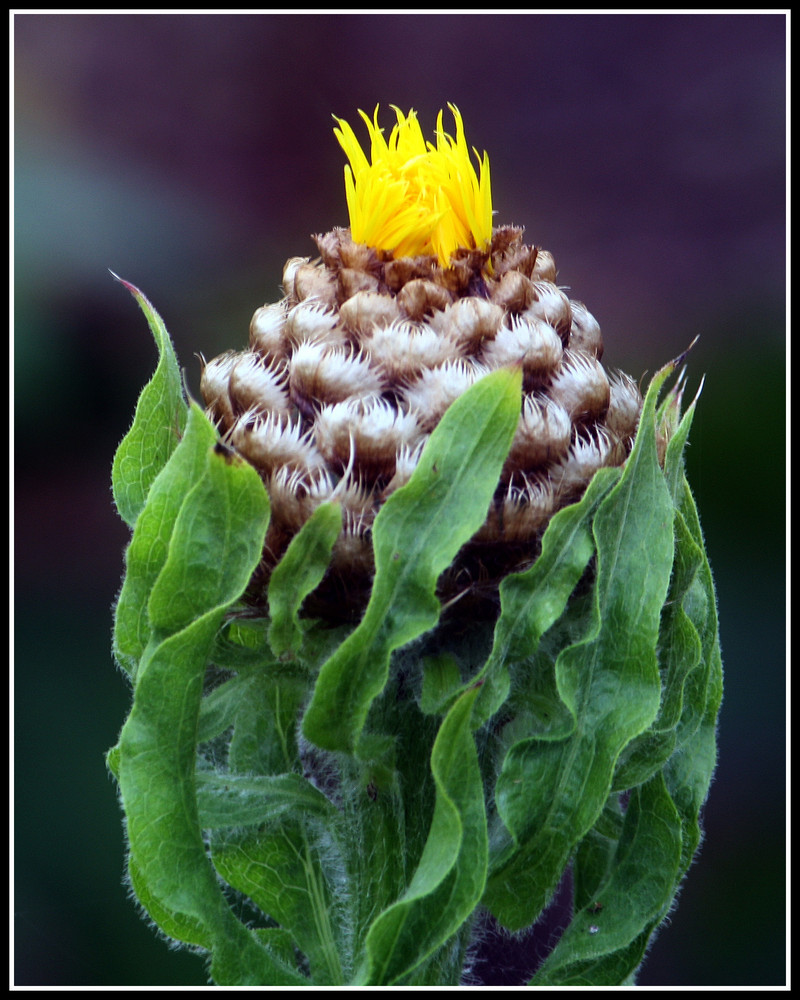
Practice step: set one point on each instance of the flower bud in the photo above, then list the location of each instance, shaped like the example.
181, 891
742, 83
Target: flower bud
314, 282
406, 461
544, 267
625, 406
295, 495
513, 292
347, 376
275, 442
586, 455
526, 509
431, 394
351, 281
313, 321
290, 269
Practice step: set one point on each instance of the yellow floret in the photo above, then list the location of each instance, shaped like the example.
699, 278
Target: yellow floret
413, 198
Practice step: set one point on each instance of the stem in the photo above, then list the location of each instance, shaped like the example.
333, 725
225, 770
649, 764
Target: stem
321, 917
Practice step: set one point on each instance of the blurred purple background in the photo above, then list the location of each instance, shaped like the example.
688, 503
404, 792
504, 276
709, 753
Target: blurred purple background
192, 154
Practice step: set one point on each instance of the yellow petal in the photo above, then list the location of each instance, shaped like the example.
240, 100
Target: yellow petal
412, 197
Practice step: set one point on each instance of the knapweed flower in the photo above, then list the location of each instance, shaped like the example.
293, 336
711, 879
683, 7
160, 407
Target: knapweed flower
345, 378
412, 198
526, 701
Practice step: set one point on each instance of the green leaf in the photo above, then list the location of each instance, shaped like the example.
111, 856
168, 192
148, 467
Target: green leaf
450, 876
147, 552
220, 708
157, 425
264, 738
386, 823
689, 771
156, 752
170, 871
691, 666
229, 800
112, 761
179, 926
679, 645
673, 457
280, 871
234, 962
533, 600
280, 942
216, 543
613, 969
242, 645
300, 570
679, 652
550, 792
416, 535
635, 890
441, 683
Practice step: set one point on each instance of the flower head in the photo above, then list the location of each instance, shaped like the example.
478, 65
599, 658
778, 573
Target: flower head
414, 198
348, 376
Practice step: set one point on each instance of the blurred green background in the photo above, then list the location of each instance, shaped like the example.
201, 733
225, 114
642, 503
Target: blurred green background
192, 154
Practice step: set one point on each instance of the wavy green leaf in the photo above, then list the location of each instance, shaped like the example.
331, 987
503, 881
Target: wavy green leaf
441, 683
450, 877
300, 570
157, 425
613, 969
147, 552
416, 535
638, 885
280, 870
215, 545
386, 823
550, 793
156, 752
673, 457
610, 908
679, 652
689, 771
229, 800
533, 600
264, 739
220, 708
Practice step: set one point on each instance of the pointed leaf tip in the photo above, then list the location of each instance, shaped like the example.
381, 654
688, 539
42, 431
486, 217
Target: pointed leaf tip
137, 293
131, 288
158, 422
682, 356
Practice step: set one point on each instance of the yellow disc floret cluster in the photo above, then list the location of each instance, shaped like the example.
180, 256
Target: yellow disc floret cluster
414, 198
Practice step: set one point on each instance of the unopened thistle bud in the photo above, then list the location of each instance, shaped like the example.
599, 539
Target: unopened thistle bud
398, 316
420, 446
